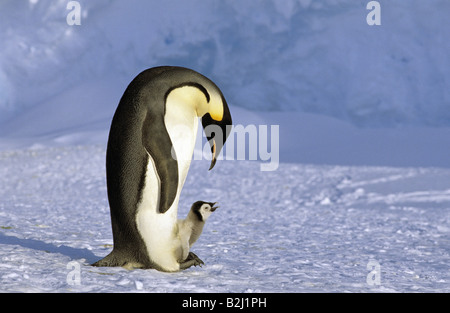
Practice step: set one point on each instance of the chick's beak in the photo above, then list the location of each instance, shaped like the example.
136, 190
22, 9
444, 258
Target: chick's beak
213, 207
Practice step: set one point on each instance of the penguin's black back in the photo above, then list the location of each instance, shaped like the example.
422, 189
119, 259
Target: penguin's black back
125, 176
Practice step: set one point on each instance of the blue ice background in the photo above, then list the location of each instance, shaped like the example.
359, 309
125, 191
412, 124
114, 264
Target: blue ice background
274, 55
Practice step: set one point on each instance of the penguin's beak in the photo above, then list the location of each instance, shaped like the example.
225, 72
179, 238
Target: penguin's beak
214, 156
213, 207
217, 132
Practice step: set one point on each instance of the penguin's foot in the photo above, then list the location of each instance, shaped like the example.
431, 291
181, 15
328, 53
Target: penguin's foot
118, 259
193, 256
107, 261
132, 265
191, 260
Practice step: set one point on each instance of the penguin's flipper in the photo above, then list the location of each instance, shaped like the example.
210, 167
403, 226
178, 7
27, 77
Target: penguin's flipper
157, 143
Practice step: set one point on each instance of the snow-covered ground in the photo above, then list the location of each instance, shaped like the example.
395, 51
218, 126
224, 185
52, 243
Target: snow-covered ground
364, 143
300, 228
303, 227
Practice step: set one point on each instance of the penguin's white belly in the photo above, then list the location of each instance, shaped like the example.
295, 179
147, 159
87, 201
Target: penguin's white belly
159, 230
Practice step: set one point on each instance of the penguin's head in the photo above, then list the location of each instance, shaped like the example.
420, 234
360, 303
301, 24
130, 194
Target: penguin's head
205, 97
203, 210
217, 126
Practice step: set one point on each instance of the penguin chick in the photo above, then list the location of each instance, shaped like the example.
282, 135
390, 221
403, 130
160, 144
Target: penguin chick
190, 229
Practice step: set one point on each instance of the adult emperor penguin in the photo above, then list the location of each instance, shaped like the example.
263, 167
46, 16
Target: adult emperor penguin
150, 147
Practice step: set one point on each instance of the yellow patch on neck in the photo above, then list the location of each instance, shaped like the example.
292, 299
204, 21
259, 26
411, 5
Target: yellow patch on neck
194, 97
216, 107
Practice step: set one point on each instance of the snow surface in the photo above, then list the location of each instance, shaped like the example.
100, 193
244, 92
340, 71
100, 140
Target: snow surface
300, 228
363, 115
